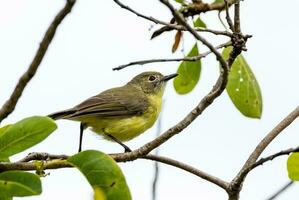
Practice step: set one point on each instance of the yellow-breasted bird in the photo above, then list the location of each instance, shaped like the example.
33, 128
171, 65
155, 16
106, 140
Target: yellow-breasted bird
122, 113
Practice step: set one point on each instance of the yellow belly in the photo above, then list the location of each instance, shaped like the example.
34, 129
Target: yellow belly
127, 128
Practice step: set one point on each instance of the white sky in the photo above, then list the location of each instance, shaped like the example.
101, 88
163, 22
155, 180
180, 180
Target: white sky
98, 36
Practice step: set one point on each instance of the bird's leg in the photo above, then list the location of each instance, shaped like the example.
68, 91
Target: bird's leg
127, 149
82, 127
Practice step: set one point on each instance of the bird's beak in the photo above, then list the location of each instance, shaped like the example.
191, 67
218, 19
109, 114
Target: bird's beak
168, 77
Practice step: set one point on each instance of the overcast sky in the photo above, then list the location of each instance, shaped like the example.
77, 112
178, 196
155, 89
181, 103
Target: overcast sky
98, 36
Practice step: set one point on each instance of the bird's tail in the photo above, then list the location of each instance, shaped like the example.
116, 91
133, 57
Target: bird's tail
61, 114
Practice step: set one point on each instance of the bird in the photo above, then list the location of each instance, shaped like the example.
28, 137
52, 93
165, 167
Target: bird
122, 113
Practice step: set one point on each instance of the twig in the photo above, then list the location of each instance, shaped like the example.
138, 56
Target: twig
10, 104
271, 157
170, 26
156, 164
192, 59
281, 190
190, 169
237, 17
228, 18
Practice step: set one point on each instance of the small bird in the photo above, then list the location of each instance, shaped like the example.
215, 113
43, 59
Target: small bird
122, 113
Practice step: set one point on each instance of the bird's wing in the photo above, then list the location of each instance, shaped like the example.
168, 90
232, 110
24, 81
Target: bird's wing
120, 102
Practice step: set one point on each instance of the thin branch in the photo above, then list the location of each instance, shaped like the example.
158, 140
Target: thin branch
192, 59
228, 18
156, 164
237, 17
169, 26
237, 181
10, 104
188, 168
281, 190
271, 157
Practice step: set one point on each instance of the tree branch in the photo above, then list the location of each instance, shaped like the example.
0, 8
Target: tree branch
192, 59
10, 104
237, 181
281, 190
188, 168
273, 156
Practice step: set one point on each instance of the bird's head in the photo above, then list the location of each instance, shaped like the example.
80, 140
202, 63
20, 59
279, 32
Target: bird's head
151, 82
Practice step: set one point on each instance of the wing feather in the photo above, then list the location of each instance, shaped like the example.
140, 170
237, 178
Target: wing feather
120, 102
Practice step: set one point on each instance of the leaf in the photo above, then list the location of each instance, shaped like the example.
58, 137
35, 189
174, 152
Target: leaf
19, 183
189, 73
177, 40
218, 1
243, 88
5, 158
103, 174
180, 1
99, 194
293, 166
24, 134
199, 23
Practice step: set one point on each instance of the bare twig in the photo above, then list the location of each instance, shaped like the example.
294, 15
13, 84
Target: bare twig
192, 59
271, 157
156, 164
10, 104
281, 190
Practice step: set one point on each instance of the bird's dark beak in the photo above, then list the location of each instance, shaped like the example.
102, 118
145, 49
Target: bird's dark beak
168, 77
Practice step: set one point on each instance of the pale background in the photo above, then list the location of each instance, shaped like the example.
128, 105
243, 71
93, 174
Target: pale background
98, 36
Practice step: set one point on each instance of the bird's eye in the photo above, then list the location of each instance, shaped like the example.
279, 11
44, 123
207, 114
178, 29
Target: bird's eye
152, 78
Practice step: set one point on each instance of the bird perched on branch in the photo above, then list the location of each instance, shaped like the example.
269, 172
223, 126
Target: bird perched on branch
122, 113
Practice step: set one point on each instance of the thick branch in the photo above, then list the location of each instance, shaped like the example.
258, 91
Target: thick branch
10, 104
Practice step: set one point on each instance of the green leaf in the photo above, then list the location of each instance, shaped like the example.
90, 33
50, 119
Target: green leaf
218, 1
199, 23
189, 73
4, 128
180, 1
293, 166
103, 174
243, 88
19, 183
24, 134
4, 158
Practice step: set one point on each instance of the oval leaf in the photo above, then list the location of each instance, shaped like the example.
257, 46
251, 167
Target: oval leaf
189, 73
243, 88
293, 166
24, 134
19, 184
103, 174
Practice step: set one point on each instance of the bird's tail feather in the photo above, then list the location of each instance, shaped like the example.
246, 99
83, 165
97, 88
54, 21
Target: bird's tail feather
61, 114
